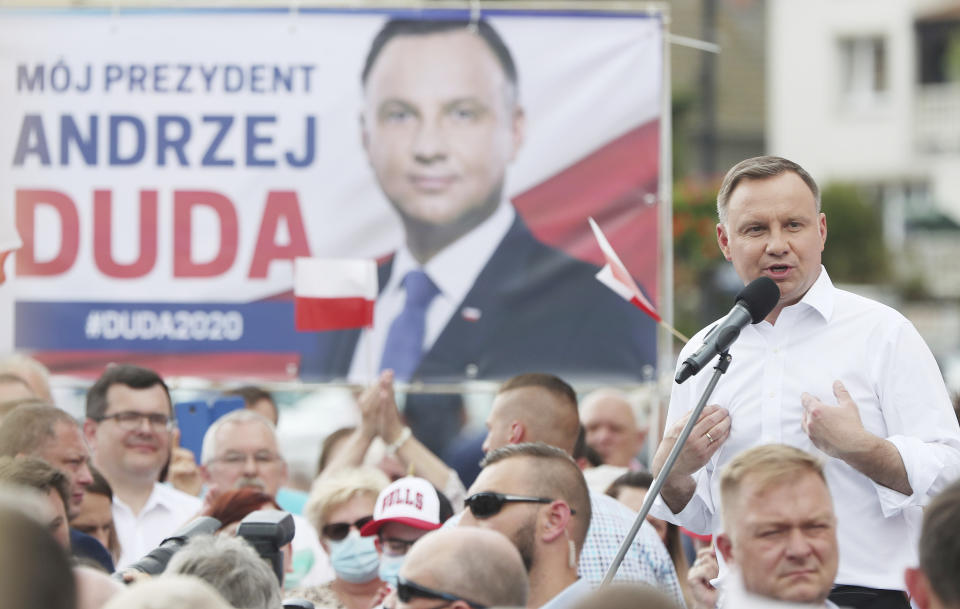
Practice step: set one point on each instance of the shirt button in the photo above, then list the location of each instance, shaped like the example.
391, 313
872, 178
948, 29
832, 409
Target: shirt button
772, 394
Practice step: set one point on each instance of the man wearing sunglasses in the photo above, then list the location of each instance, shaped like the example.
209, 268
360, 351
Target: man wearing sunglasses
462, 568
535, 494
128, 427
543, 408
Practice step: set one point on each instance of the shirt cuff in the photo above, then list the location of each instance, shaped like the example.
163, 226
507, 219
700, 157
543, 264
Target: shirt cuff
696, 516
921, 475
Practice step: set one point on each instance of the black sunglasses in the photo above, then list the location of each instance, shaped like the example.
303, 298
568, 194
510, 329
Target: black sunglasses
337, 531
408, 590
487, 504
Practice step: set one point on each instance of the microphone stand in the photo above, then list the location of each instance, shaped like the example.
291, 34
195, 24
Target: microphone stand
654, 490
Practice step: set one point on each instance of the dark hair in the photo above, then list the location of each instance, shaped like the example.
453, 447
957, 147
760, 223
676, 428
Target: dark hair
34, 569
940, 544
134, 377
631, 479
673, 543
418, 27
251, 394
582, 450
99, 486
553, 384
35, 473
28, 427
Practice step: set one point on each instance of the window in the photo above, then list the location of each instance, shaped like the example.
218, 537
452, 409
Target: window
863, 71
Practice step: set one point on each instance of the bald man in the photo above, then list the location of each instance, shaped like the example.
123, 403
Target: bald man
612, 427
465, 566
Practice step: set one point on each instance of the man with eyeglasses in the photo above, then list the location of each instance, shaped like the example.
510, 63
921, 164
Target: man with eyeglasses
128, 427
462, 568
240, 450
535, 494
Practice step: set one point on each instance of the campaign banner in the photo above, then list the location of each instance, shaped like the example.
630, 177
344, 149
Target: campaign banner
164, 168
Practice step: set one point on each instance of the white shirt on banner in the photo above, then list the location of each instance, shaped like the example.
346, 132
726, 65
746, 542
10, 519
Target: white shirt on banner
165, 511
893, 378
453, 270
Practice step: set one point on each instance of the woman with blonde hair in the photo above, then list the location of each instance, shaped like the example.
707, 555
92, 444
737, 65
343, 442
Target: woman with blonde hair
340, 504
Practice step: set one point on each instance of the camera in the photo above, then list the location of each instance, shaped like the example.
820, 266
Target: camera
156, 561
268, 531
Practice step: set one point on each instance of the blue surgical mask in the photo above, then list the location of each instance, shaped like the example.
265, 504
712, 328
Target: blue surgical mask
390, 568
355, 558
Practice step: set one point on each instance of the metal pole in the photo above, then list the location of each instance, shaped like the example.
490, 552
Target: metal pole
719, 369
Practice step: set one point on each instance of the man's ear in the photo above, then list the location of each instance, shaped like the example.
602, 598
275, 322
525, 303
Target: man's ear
723, 240
90, 433
918, 586
725, 547
554, 522
518, 431
204, 474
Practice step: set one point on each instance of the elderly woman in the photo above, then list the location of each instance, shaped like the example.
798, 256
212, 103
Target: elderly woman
339, 505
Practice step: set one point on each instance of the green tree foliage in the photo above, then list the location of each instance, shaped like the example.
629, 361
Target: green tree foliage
855, 250
695, 252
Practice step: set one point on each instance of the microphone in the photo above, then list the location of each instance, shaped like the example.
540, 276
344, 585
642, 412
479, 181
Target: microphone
754, 302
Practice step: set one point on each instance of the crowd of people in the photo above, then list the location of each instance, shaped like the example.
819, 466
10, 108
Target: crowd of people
823, 471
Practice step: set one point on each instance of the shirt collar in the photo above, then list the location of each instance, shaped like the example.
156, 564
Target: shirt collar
455, 269
820, 297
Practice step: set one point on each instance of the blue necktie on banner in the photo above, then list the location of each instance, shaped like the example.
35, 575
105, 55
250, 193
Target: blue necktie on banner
404, 347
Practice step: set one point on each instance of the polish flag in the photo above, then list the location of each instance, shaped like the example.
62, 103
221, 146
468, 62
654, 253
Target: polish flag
615, 276
333, 293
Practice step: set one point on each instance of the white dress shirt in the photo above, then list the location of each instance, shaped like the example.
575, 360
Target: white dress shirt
891, 375
165, 511
569, 596
453, 270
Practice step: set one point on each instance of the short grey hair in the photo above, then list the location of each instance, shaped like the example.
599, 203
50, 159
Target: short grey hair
232, 567
758, 168
209, 450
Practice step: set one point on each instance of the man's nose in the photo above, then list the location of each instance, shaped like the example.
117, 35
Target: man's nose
250, 464
429, 144
778, 242
84, 477
798, 546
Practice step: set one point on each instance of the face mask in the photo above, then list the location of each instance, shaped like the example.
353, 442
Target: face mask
354, 559
390, 568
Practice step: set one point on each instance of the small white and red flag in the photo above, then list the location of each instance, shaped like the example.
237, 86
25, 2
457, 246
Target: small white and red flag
333, 293
615, 276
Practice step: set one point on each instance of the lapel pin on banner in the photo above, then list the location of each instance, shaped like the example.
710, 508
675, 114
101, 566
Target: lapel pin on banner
470, 313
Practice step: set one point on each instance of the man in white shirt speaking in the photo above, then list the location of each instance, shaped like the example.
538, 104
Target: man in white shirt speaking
829, 372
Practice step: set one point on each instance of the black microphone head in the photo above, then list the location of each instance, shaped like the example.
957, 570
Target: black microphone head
760, 296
